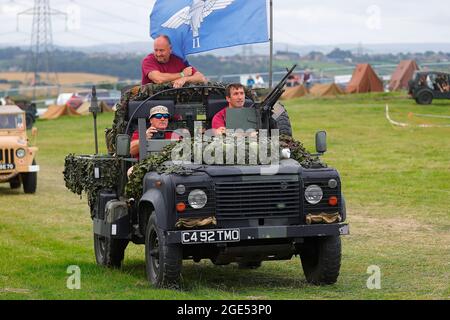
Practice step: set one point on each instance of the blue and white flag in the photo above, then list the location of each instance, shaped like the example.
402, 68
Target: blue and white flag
202, 25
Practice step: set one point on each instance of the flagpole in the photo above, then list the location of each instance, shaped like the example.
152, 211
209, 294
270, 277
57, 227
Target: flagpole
271, 46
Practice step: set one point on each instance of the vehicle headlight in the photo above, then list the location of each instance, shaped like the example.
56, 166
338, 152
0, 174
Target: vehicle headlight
20, 153
313, 194
197, 199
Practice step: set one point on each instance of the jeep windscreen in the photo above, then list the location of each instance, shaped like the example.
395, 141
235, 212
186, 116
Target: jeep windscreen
11, 121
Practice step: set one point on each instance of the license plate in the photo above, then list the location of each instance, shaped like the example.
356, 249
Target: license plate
7, 166
210, 236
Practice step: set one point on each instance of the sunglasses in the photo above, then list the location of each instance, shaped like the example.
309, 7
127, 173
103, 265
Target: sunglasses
161, 116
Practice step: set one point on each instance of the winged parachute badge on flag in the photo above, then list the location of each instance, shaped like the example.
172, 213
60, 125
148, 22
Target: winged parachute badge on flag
194, 15
202, 25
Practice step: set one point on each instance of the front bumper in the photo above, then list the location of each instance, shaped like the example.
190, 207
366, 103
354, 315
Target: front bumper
6, 175
279, 232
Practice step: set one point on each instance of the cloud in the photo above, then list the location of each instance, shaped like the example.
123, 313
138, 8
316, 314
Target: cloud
332, 22
298, 22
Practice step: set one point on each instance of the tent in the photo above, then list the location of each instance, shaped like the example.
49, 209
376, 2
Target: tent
402, 75
326, 90
56, 111
84, 108
364, 79
294, 92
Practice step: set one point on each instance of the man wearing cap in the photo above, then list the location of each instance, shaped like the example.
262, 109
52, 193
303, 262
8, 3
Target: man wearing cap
159, 120
162, 66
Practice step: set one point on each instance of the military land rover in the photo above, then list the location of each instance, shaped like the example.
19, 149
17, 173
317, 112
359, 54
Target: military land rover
224, 213
426, 86
17, 158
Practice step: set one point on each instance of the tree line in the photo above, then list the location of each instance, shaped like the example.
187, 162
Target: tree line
121, 65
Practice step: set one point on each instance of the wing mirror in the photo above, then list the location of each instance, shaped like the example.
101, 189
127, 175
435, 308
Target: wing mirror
321, 142
123, 145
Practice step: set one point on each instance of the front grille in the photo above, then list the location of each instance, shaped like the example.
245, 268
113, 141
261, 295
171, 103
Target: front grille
323, 205
6, 156
267, 197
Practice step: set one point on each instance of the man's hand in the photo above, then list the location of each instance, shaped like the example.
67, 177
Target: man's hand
187, 71
150, 132
179, 82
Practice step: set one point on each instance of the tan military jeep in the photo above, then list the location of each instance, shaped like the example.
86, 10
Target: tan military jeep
17, 157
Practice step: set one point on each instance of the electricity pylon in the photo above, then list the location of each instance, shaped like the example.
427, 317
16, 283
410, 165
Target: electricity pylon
41, 47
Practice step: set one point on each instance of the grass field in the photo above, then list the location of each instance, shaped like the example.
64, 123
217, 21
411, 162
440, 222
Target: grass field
397, 186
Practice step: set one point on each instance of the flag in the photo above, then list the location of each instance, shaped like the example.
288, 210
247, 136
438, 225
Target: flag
195, 26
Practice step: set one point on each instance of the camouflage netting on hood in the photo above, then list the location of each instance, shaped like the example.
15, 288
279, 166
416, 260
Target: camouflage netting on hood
299, 153
156, 163
90, 173
188, 93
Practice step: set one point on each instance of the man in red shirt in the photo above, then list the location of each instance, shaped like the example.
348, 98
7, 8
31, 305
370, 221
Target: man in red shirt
162, 66
159, 120
235, 96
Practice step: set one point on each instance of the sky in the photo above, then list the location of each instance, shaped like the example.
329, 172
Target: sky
299, 22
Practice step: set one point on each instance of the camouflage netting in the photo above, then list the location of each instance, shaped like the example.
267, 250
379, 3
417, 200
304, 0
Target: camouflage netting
138, 93
299, 153
155, 163
79, 170
79, 174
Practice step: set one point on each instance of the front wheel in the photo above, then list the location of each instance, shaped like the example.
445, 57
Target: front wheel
163, 261
109, 252
425, 97
15, 183
321, 259
29, 180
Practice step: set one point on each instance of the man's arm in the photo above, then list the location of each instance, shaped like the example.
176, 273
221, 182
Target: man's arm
134, 144
159, 77
186, 75
134, 148
197, 77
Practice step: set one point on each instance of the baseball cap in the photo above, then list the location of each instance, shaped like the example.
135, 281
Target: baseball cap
158, 109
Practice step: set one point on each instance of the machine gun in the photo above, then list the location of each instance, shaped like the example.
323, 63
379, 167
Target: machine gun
264, 109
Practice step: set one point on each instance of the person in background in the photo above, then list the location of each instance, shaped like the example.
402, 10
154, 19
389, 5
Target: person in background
307, 79
5, 122
250, 82
259, 81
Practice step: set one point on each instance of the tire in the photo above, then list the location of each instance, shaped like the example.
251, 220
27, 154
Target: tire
109, 252
249, 265
29, 180
15, 183
321, 259
163, 261
282, 122
424, 97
